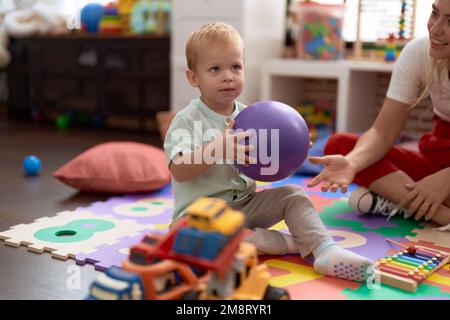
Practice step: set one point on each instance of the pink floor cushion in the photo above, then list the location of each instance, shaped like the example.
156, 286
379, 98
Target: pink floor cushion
117, 167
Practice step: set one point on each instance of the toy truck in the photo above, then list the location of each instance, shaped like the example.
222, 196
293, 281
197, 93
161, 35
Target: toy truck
162, 279
172, 246
210, 225
145, 276
159, 270
116, 284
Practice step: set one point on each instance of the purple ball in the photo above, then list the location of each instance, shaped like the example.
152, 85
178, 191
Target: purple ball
281, 138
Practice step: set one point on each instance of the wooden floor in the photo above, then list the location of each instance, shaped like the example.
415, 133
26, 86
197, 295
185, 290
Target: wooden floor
25, 275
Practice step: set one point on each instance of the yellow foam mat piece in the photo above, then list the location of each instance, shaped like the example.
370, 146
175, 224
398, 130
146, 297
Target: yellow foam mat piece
297, 273
437, 278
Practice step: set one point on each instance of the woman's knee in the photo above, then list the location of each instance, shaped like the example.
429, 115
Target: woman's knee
340, 143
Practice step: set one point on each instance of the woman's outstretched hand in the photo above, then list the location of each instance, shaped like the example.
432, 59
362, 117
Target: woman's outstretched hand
338, 172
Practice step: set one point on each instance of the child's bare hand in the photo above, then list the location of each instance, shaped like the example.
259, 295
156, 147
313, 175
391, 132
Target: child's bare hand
232, 149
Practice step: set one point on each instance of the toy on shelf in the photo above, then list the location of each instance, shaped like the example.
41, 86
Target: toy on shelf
402, 21
110, 20
390, 52
320, 122
407, 268
389, 48
317, 116
320, 31
90, 17
125, 8
157, 271
151, 16
23, 19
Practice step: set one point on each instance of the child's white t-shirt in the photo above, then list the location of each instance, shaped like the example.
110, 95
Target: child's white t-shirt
188, 131
408, 78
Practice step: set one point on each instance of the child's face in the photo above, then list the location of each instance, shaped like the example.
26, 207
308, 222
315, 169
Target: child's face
219, 74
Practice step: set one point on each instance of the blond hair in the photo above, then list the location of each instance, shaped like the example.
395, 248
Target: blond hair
432, 76
211, 34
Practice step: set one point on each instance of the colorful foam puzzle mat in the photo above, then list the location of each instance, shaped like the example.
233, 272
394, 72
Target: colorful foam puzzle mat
102, 233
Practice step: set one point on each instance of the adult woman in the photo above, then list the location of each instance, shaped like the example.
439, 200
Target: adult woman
419, 182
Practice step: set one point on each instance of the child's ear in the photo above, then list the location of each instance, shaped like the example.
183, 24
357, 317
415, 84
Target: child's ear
192, 78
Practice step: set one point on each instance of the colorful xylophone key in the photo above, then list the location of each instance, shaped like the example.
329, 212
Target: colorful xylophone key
407, 268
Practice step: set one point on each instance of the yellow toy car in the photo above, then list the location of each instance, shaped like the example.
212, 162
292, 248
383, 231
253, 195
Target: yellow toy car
214, 215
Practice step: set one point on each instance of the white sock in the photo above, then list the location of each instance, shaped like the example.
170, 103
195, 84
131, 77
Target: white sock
332, 260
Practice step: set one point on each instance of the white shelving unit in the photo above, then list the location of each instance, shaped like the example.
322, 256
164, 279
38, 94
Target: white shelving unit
260, 23
356, 93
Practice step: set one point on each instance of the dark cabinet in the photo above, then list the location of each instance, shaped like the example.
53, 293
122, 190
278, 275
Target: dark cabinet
113, 77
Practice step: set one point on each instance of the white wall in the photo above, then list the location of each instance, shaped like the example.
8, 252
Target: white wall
422, 15
74, 6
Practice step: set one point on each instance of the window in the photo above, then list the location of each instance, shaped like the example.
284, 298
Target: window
74, 6
381, 18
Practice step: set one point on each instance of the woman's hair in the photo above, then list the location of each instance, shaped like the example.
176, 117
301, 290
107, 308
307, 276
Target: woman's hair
432, 76
211, 34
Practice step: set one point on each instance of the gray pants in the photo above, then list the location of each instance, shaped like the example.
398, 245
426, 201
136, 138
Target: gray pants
265, 208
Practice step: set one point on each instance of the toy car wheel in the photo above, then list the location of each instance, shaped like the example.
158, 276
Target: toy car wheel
274, 293
191, 295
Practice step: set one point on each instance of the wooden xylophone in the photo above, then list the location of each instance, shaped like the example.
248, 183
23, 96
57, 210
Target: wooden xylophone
407, 268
